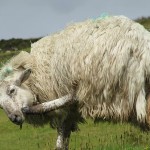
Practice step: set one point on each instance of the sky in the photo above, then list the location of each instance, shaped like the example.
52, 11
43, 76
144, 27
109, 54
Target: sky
38, 18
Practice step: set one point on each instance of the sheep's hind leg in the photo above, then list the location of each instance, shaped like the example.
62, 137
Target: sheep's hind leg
64, 131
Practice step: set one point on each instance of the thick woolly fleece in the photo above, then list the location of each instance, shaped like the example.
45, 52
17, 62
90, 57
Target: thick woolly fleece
106, 59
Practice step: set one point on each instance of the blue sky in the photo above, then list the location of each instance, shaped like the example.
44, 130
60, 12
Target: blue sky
36, 18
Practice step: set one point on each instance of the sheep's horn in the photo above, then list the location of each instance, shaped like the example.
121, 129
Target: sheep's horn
50, 105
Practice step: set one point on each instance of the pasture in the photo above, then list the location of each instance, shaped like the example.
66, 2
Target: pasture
99, 136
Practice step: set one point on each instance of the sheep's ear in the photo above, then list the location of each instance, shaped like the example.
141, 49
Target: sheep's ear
23, 77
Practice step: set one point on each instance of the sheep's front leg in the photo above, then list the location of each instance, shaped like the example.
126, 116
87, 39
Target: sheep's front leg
63, 136
148, 109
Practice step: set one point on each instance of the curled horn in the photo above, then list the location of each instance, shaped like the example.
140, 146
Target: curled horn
50, 105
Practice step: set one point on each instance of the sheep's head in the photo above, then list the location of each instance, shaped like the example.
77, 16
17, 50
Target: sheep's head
14, 96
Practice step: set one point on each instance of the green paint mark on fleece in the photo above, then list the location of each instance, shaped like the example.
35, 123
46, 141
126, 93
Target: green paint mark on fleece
103, 16
5, 72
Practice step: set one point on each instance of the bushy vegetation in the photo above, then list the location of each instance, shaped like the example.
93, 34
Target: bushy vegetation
16, 44
6, 55
145, 22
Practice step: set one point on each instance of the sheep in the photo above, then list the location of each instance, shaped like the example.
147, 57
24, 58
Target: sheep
97, 68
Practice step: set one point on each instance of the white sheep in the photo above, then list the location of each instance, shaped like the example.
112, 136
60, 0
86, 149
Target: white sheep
97, 68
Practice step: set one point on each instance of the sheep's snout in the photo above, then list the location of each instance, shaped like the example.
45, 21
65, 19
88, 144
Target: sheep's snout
16, 118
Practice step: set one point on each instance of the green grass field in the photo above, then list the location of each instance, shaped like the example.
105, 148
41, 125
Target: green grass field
101, 136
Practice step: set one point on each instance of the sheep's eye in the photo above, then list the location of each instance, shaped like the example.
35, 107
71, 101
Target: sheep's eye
11, 91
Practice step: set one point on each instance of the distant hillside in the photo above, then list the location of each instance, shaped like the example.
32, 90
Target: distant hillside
18, 44
145, 22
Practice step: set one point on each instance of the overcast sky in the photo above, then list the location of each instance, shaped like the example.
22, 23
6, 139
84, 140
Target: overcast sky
36, 18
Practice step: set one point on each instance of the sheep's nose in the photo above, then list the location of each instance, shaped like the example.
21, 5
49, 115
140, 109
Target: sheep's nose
16, 118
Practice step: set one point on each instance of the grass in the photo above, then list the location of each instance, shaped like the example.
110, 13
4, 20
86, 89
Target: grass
29, 138
4, 56
101, 136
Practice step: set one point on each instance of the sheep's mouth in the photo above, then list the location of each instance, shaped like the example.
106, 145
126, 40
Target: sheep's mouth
19, 124
16, 118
